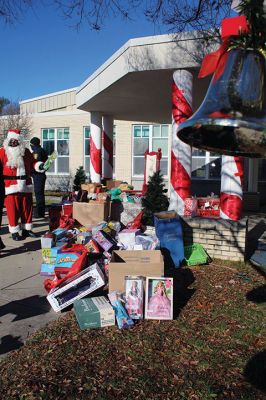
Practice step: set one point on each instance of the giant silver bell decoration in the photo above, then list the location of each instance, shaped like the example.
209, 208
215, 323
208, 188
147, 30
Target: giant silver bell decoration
232, 117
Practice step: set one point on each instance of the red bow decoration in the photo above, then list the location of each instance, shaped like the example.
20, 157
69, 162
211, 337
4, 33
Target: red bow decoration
230, 27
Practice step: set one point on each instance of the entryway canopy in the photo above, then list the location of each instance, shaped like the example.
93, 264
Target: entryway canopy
134, 84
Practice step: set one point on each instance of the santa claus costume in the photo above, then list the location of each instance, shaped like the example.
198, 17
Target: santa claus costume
18, 164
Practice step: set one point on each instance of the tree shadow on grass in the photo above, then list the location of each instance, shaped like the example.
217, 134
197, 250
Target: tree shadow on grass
257, 295
255, 371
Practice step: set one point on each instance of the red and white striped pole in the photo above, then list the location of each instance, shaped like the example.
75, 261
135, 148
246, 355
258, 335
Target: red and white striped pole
107, 143
96, 147
231, 196
181, 152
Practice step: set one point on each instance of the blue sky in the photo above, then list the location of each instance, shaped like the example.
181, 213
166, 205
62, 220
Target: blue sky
43, 54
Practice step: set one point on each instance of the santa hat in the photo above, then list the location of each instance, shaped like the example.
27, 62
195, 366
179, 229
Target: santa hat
13, 134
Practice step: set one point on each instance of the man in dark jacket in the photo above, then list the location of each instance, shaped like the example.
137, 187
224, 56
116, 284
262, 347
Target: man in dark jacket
39, 178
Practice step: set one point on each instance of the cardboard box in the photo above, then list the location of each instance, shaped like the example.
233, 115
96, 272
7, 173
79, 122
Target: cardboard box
90, 214
76, 287
94, 312
110, 184
130, 262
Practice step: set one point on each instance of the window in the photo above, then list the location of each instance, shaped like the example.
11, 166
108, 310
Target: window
149, 137
87, 149
205, 165
57, 139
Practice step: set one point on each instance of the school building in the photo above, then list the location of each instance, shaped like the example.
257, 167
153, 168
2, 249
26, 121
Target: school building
129, 96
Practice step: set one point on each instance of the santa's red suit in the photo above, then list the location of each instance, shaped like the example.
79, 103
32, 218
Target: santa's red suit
18, 183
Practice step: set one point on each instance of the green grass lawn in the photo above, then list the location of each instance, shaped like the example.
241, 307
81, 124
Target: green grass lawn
213, 349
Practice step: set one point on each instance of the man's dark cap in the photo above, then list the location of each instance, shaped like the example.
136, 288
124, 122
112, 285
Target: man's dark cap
35, 141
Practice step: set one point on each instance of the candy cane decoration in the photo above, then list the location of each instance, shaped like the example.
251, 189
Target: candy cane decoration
107, 143
231, 196
181, 152
95, 147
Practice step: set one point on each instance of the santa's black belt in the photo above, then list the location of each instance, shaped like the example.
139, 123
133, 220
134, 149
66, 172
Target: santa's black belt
13, 178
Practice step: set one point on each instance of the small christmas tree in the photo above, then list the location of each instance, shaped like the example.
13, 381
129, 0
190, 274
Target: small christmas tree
154, 200
80, 178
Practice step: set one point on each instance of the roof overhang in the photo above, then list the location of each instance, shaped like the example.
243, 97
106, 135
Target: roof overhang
135, 83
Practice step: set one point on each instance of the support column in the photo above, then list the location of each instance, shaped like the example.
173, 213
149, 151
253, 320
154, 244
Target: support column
107, 143
231, 196
181, 152
96, 147
253, 174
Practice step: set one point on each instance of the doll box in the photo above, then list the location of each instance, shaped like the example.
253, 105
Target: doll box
76, 287
94, 312
159, 298
130, 262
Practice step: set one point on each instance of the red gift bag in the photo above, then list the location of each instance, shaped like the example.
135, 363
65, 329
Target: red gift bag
77, 266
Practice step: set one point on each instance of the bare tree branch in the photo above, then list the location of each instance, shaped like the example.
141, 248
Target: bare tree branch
11, 118
177, 15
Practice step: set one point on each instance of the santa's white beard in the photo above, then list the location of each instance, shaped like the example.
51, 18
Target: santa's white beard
15, 155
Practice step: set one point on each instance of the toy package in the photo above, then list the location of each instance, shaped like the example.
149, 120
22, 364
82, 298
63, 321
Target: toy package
76, 287
159, 298
102, 240
94, 312
134, 287
49, 260
122, 318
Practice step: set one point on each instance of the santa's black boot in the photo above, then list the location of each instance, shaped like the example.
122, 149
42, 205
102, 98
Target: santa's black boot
16, 237
26, 234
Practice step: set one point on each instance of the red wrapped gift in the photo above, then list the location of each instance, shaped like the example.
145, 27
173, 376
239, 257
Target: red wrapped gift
207, 203
191, 207
209, 207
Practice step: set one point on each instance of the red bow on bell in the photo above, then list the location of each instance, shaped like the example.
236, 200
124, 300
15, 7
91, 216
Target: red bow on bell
230, 27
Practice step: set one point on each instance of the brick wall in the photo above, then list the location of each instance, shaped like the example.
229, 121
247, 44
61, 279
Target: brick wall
221, 239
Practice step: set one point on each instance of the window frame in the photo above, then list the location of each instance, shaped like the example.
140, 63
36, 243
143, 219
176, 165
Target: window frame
150, 142
49, 173
208, 158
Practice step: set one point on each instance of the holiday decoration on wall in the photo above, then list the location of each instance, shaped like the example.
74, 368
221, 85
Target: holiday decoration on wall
232, 117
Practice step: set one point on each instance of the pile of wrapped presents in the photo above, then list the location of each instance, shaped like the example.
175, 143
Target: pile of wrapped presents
98, 258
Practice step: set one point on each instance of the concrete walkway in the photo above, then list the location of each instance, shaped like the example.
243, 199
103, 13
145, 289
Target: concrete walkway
23, 305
